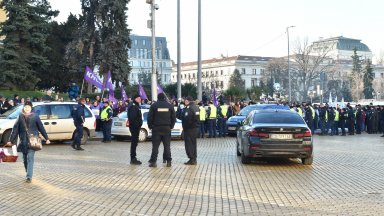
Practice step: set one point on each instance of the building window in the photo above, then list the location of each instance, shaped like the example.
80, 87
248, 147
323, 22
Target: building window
262, 71
221, 72
254, 71
135, 42
242, 70
254, 82
222, 84
217, 73
143, 42
382, 75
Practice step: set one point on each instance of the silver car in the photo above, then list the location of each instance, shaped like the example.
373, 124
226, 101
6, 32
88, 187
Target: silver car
120, 130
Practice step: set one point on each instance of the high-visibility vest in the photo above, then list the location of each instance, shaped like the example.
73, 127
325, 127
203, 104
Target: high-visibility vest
104, 113
202, 113
313, 112
213, 112
293, 110
224, 110
300, 111
337, 116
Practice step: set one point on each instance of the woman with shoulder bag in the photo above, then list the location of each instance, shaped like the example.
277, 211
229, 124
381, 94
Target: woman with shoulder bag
27, 124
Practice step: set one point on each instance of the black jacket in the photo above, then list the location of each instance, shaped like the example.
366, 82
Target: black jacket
34, 125
134, 116
191, 116
161, 113
78, 114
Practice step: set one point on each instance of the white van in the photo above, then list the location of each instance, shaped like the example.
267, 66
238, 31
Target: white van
56, 118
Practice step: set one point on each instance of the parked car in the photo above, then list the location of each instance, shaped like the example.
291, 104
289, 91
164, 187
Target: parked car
120, 130
56, 118
232, 122
274, 133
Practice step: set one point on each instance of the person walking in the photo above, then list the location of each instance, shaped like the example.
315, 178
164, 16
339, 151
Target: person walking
106, 121
190, 121
161, 120
78, 116
135, 121
27, 123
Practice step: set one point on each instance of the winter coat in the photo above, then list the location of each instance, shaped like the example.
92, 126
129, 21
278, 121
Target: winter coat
34, 126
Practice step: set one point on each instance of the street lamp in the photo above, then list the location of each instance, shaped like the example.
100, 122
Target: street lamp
151, 25
289, 72
311, 94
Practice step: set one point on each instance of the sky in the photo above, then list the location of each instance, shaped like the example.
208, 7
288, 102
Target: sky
252, 27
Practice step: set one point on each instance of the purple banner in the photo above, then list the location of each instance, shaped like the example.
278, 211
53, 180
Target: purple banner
123, 94
109, 84
142, 92
91, 78
159, 89
214, 97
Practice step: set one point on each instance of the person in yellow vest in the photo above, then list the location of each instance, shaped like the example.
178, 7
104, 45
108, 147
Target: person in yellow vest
106, 121
212, 114
335, 127
202, 117
222, 112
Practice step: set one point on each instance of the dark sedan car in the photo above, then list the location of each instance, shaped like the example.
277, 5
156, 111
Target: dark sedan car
232, 123
274, 133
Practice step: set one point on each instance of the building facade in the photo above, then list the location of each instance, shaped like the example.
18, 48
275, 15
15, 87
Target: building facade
341, 48
140, 59
216, 73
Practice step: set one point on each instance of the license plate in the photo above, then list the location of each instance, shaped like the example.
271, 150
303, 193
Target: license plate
118, 124
281, 136
231, 128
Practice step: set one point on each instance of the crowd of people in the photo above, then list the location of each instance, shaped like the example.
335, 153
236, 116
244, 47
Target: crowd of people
329, 119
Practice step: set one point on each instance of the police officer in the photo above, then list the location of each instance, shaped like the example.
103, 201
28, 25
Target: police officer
202, 117
222, 119
308, 117
78, 116
106, 121
359, 118
343, 116
135, 121
212, 114
351, 120
161, 119
323, 116
191, 118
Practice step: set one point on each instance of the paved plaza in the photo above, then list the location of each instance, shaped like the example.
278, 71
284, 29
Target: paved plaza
346, 178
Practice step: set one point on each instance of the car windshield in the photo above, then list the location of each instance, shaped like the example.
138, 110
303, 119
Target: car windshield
277, 118
13, 113
122, 115
246, 110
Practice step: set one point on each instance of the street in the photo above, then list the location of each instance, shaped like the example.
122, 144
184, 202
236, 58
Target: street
346, 178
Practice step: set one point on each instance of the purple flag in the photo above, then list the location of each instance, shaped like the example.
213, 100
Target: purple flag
214, 97
123, 94
109, 84
91, 78
111, 97
159, 89
142, 92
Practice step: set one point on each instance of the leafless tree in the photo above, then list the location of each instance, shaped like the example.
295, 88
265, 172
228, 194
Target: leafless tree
378, 85
310, 62
277, 69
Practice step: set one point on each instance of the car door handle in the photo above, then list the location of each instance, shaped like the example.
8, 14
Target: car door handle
46, 123
54, 123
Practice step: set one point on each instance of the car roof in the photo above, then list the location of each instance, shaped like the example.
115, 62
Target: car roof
51, 102
269, 106
274, 111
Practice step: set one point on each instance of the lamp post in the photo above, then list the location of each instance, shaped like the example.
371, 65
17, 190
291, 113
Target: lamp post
199, 66
289, 72
154, 7
178, 52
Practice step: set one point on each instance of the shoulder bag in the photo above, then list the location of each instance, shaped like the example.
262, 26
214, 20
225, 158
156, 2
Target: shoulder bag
34, 142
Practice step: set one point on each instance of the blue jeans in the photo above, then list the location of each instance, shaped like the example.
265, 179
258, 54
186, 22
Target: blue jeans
212, 127
29, 160
335, 128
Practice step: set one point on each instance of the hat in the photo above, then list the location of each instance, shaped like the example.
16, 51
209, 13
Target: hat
189, 98
28, 103
136, 96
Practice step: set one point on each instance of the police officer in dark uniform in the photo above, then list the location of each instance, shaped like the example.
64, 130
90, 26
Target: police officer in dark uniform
161, 119
135, 121
351, 120
359, 119
191, 117
78, 116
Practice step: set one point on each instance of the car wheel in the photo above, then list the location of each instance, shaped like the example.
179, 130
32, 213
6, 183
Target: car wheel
143, 135
307, 161
237, 148
245, 159
6, 136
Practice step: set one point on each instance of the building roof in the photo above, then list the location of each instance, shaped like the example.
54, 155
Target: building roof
344, 43
230, 58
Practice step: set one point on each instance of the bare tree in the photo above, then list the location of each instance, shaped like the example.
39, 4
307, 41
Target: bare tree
277, 70
310, 62
378, 85
357, 86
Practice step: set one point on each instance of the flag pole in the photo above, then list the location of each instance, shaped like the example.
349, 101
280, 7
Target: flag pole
82, 85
